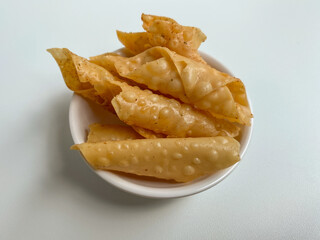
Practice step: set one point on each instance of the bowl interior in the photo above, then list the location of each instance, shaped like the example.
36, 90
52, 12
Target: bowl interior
82, 113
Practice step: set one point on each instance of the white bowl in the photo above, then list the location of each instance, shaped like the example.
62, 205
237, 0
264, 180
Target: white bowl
82, 113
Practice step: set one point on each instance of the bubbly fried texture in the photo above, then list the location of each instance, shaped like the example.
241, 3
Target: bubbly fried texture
107, 132
168, 116
92, 81
192, 82
173, 119
182, 160
165, 32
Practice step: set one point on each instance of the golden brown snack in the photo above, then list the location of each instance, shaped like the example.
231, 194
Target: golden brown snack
168, 116
182, 159
135, 42
192, 82
106, 63
184, 122
85, 78
165, 32
184, 141
107, 132
64, 59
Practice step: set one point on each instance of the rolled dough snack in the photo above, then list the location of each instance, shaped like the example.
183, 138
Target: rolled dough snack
180, 159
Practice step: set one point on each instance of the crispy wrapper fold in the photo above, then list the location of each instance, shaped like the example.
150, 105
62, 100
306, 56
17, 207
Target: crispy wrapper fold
107, 64
185, 122
168, 116
135, 42
165, 32
180, 159
107, 132
85, 78
146, 133
92, 81
206, 88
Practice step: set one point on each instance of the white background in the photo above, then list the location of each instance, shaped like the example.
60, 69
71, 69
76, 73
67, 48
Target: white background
48, 192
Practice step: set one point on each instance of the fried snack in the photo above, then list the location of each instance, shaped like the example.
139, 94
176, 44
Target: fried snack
184, 121
92, 81
106, 63
168, 116
69, 72
208, 89
165, 32
107, 132
85, 78
136, 42
182, 160
146, 133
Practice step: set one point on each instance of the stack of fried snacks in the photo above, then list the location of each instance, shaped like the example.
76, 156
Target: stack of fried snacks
182, 130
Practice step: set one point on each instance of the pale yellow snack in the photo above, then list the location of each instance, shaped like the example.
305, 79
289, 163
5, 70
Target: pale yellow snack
180, 159
69, 72
106, 85
106, 63
63, 57
206, 88
184, 121
85, 78
107, 132
165, 32
135, 42
167, 116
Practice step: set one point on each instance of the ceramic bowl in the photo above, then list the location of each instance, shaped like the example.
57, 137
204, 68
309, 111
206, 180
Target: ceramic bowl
82, 113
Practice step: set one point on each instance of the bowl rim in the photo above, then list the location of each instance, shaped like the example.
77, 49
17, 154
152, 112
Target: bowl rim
162, 193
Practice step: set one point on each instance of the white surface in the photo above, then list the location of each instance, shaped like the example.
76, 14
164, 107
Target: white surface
48, 192
82, 113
